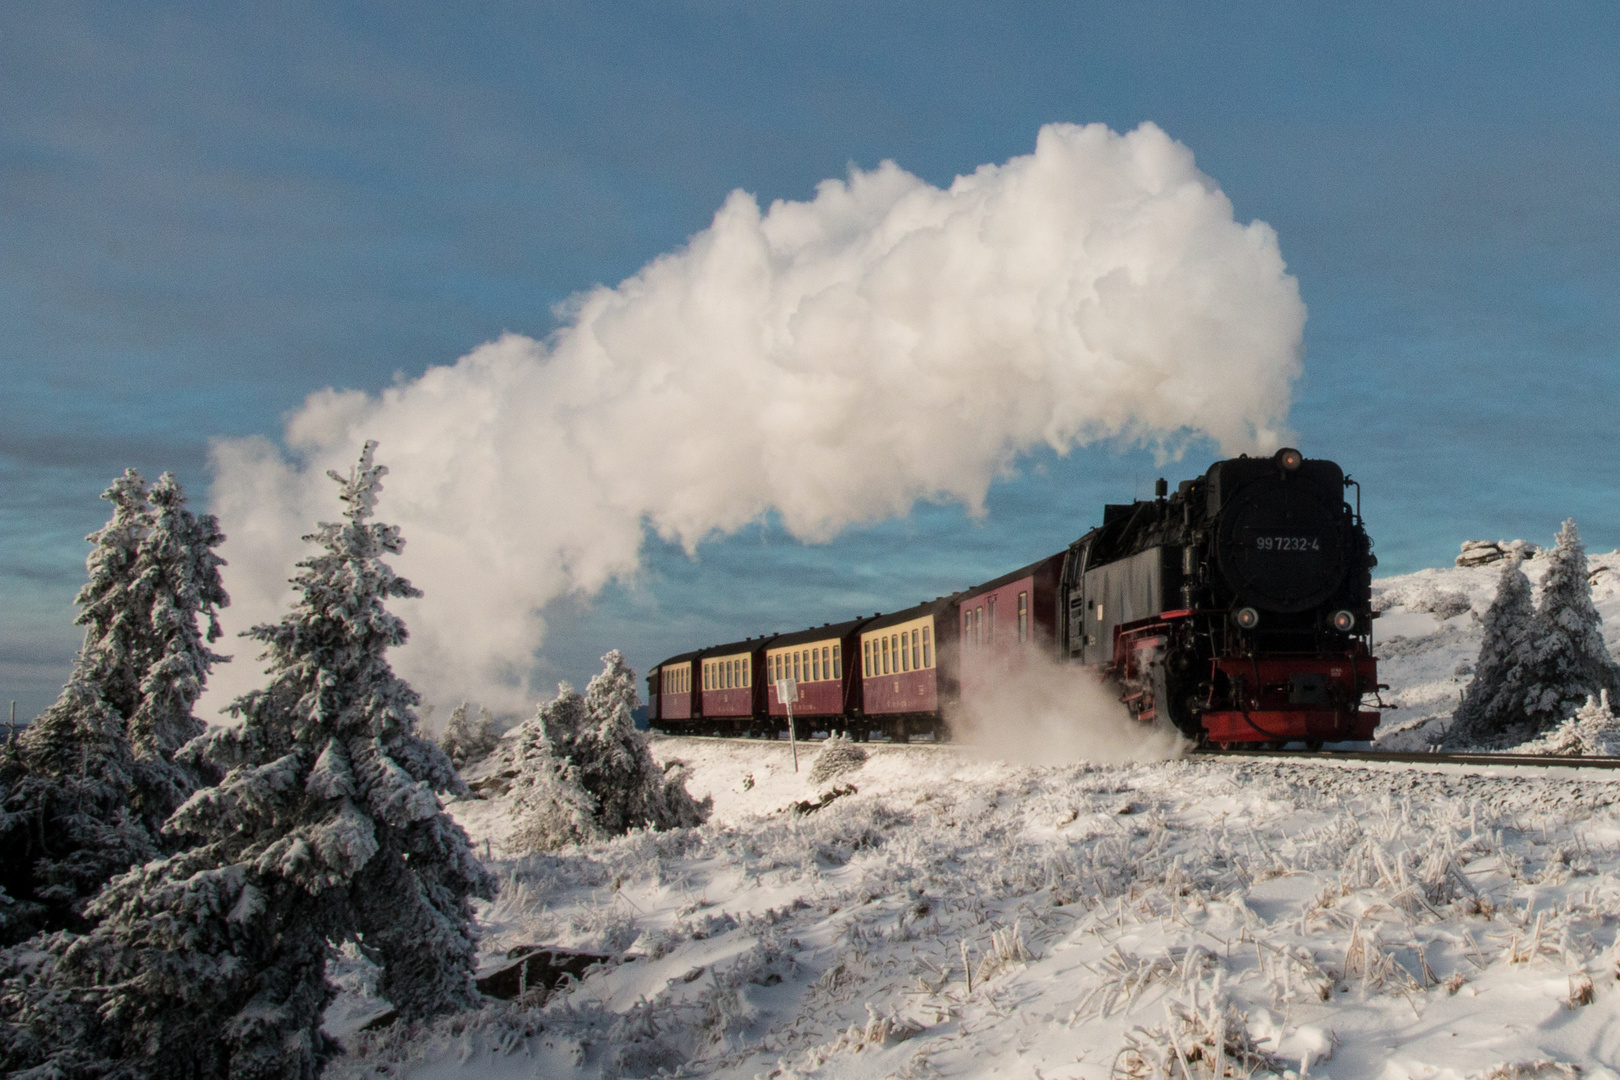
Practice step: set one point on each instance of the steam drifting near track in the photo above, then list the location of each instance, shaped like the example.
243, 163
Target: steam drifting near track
836, 360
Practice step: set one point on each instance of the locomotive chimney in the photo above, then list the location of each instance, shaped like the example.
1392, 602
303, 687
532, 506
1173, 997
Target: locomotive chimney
1161, 488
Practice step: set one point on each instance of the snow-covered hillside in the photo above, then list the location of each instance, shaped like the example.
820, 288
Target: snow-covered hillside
1428, 637
958, 916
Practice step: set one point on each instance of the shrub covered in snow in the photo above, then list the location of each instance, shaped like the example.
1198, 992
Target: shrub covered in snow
584, 771
1594, 731
324, 829
85, 789
469, 739
839, 755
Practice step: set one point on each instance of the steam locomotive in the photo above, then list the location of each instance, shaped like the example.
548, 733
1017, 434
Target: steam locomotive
1237, 608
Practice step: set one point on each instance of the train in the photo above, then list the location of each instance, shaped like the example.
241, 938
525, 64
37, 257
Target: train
1237, 608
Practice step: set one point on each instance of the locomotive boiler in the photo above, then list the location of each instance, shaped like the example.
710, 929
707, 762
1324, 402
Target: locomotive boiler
1237, 608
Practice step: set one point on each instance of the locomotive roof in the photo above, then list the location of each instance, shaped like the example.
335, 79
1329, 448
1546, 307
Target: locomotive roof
930, 607
820, 633
1004, 579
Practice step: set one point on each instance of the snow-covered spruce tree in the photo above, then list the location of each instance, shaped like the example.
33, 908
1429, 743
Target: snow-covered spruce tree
1569, 661
1492, 706
325, 828
550, 806
468, 739
585, 771
86, 787
178, 585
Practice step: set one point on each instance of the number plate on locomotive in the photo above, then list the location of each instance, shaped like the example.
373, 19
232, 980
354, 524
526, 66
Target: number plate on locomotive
1288, 543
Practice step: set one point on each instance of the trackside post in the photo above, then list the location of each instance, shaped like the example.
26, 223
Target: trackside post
787, 692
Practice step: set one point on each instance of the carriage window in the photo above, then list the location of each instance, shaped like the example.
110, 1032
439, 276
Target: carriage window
866, 658
990, 630
797, 674
916, 650
1023, 616
928, 658
731, 674
826, 662
838, 662
748, 673
885, 641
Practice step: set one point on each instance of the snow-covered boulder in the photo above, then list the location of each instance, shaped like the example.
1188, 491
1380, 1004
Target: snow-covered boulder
1484, 552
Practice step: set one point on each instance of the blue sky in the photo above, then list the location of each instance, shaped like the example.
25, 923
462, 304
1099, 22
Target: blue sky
206, 213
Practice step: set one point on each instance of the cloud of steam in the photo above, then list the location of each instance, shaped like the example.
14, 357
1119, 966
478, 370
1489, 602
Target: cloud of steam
835, 360
1058, 714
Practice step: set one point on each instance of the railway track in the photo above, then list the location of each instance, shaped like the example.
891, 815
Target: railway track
1325, 757
1393, 757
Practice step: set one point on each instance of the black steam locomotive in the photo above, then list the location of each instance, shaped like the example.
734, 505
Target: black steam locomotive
1237, 608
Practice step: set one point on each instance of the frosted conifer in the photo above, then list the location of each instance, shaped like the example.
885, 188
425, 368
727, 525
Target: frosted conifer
180, 592
584, 755
86, 787
1569, 661
1493, 703
468, 739
325, 828
550, 806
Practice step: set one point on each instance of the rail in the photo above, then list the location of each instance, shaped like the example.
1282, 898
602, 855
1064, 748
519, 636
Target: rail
1308, 757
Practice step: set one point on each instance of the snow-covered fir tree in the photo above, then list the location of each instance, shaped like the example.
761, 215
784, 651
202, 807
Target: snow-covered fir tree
179, 591
85, 789
325, 828
1569, 662
1492, 706
550, 806
585, 771
469, 739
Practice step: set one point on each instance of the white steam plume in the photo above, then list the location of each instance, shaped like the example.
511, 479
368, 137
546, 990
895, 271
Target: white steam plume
836, 360
1057, 714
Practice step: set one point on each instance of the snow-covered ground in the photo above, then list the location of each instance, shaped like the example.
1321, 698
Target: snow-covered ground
963, 917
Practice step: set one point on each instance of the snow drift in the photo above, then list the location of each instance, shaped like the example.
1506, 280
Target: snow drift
834, 360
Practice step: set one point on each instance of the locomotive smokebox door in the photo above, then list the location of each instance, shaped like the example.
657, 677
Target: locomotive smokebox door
1307, 688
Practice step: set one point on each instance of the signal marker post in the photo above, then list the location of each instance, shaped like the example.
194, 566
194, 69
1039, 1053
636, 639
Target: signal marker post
787, 692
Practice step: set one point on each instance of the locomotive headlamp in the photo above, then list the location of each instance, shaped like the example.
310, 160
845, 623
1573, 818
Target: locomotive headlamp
1289, 458
1247, 618
1344, 621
